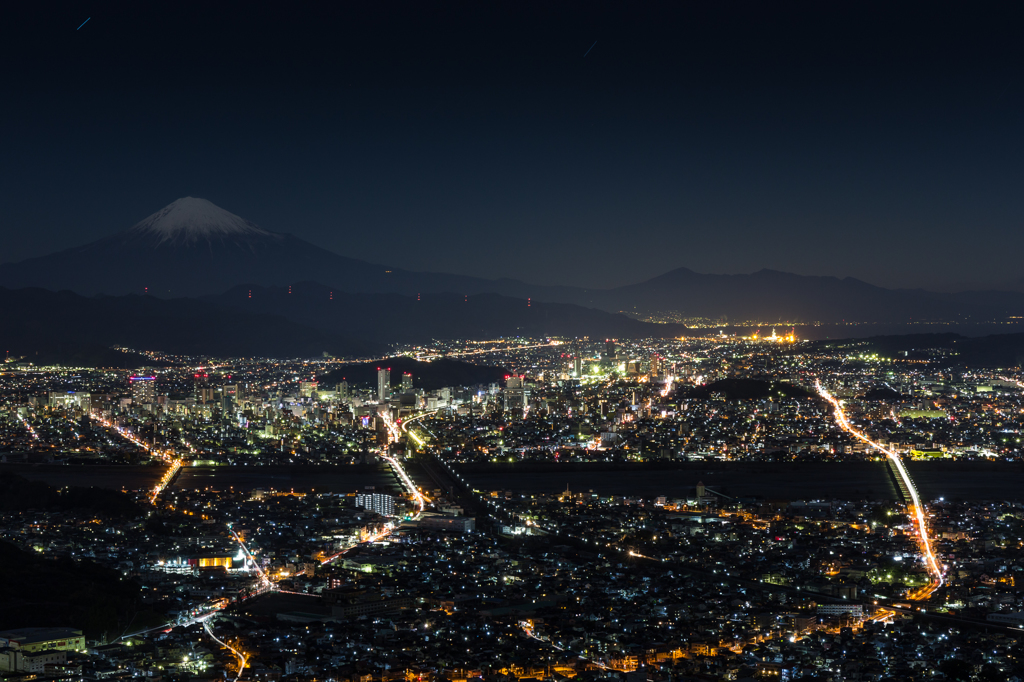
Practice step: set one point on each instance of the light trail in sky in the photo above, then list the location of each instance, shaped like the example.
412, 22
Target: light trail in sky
916, 510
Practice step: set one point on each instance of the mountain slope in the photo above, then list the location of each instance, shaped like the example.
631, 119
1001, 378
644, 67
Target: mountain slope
66, 328
192, 247
393, 318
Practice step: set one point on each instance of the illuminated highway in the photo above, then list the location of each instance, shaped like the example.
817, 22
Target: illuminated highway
394, 433
28, 426
243, 660
405, 427
916, 509
174, 463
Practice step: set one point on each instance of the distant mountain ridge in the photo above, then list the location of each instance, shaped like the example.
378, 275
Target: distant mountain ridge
193, 248
770, 295
394, 318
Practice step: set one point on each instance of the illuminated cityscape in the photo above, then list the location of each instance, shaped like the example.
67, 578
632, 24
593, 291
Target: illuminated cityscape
512, 342
684, 507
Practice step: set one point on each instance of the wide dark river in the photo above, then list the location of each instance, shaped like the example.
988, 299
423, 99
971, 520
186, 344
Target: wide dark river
328, 479
842, 480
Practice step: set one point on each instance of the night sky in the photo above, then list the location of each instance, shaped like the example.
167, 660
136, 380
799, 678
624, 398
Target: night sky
831, 138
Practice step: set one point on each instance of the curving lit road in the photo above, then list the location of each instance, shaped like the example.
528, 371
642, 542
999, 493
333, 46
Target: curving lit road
243, 660
916, 509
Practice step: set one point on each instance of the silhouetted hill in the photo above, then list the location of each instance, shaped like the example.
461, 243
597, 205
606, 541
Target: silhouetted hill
394, 318
426, 375
21, 494
68, 328
883, 394
36, 591
748, 389
60, 351
996, 350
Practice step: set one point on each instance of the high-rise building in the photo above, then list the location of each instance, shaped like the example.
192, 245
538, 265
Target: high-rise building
577, 365
143, 390
406, 381
383, 383
655, 367
378, 503
307, 388
517, 395
609, 349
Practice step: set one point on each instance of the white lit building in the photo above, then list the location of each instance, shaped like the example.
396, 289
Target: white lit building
376, 502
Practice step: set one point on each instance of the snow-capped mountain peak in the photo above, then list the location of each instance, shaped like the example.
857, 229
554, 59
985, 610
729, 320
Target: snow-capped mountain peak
190, 219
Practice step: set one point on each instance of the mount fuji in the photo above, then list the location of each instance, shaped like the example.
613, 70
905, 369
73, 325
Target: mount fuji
192, 247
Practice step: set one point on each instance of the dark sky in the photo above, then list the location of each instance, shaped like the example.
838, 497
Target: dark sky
848, 139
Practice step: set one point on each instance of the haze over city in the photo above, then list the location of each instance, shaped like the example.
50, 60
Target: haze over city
510, 342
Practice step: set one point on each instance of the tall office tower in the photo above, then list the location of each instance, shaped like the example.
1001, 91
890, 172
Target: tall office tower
609, 349
383, 384
377, 503
342, 390
655, 366
577, 365
517, 396
406, 381
307, 388
143, 390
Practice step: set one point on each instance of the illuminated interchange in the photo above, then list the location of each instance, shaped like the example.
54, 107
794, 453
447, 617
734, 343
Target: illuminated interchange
704, 506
